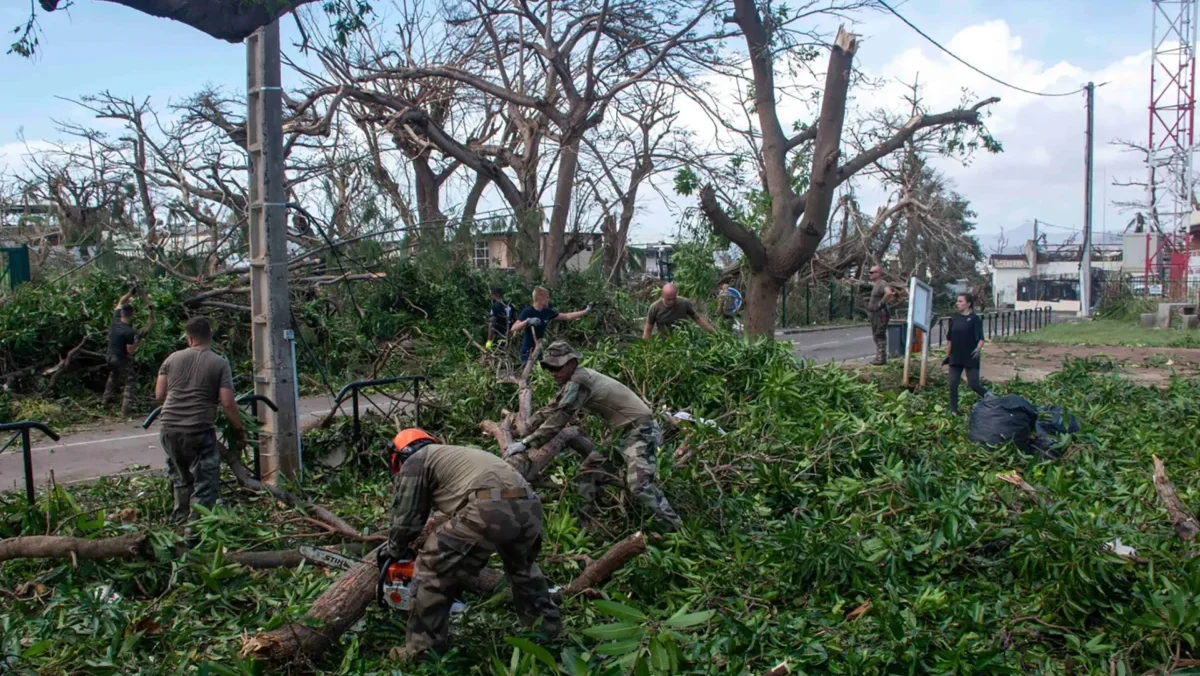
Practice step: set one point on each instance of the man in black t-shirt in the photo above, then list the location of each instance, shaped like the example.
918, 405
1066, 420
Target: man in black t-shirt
122, 341
537, 317
500, 318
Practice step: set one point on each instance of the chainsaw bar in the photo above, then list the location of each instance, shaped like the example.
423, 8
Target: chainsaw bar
328, 558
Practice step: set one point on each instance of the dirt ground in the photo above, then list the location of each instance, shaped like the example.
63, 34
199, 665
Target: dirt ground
1144, 365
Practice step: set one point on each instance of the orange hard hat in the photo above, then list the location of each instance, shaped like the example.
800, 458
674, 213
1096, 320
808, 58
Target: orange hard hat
410, 436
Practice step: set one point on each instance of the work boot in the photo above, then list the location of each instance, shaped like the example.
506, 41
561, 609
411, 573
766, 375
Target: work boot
402, 655
880, 357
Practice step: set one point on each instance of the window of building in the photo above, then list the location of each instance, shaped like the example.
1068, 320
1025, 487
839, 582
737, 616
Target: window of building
481, 257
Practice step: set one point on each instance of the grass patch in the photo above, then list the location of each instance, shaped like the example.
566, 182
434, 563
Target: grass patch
1107, 332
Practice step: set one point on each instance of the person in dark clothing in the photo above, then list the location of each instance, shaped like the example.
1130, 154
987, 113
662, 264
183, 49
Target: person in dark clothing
963, 347
122, 341
500, 319
537, 317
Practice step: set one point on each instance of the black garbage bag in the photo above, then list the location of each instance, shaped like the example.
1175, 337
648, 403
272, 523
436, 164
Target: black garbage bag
1000, 420
1053, 422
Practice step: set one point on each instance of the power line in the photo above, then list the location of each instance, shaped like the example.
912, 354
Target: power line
959, 59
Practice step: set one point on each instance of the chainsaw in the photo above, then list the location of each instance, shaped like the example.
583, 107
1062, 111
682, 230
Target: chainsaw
393, 587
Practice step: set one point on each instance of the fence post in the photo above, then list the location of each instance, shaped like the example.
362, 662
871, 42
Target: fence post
808, 302
27, 456
354, 406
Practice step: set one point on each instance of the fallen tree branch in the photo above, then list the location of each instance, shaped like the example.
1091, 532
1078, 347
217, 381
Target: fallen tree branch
336, 524
603, 568
531, 463
133, 545
286, 558
225, 306
1026, 488
66, 362
1181, 518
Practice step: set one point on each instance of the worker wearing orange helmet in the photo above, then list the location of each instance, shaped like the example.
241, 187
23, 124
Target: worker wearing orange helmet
492, 510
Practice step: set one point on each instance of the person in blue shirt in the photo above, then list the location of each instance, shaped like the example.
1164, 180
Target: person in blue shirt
537, 317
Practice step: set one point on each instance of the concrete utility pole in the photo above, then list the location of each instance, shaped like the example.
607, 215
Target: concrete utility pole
274, 375
1085, 259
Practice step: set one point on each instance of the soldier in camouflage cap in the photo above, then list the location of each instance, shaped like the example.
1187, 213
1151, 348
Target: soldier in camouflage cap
621, 409
492, 510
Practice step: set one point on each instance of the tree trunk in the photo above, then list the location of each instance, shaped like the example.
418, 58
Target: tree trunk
568, 162
429, 212
761, 299
133, 545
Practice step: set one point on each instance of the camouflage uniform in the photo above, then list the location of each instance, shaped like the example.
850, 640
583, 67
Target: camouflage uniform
492, 510
194, 465
880, 317
622, 410
120, 373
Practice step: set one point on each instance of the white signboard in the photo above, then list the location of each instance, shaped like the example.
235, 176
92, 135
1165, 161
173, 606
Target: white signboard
920, 304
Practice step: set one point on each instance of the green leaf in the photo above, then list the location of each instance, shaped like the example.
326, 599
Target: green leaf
660, 658
36, 649
617, 648
616, 631
678, 621
620, 611
533, 649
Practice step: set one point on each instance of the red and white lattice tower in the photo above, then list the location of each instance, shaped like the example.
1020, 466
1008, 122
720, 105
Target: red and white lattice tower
1172, 113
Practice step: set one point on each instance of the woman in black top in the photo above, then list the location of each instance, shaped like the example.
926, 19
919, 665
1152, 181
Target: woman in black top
965, 341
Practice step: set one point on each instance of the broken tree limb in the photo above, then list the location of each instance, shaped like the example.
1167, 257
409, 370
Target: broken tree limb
133, 545
287, 558
525, 390
1181, 518
66, 362
599, 571
335, 523
1026, 488
531, 463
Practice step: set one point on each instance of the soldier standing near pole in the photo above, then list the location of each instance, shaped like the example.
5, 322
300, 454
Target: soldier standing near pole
621, 409
191, 382
877, 308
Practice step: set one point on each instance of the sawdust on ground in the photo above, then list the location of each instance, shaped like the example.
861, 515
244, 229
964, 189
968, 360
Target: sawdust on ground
1144, 365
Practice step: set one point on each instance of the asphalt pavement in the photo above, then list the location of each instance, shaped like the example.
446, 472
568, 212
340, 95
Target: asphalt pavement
105, 450
833, 344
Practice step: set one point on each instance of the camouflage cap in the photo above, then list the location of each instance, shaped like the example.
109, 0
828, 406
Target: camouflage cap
558, 354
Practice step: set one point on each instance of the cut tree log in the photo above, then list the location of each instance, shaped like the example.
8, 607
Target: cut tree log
347, 599
133, 545
1181, 518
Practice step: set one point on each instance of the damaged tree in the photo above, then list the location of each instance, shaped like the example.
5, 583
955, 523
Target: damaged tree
797, 220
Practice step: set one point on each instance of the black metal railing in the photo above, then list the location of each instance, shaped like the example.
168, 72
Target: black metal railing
355, 389
22, 428
999, 324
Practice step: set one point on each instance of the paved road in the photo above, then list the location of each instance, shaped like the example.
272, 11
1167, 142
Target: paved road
853, 342
106, 450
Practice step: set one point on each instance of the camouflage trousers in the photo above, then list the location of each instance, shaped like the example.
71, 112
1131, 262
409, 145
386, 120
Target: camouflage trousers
120, 373
460, 549
639, 447
879, 325
194, 465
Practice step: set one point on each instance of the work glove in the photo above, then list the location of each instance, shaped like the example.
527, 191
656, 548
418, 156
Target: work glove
975, 354
534, 321
488, 345
383, 558
946, 361
238, 439
588, 308
514, 448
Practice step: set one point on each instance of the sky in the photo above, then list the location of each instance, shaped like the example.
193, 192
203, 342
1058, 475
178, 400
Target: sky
1038, 45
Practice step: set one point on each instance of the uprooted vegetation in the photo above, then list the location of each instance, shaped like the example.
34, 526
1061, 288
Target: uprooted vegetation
836, 528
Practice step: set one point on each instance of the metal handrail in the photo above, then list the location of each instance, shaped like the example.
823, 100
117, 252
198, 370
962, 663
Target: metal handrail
357, 385
23, 427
